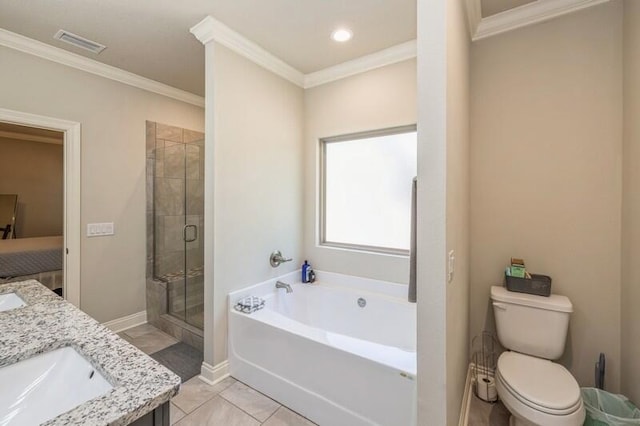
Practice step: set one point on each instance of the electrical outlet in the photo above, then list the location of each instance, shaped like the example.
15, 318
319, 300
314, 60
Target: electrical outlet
451, 263
100, 229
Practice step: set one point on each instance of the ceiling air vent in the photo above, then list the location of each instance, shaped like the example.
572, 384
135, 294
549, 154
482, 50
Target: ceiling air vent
81, 42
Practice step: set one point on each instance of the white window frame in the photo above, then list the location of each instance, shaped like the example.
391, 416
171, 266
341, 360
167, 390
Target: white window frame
322, 224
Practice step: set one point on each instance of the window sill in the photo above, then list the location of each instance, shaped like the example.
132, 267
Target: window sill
401, 254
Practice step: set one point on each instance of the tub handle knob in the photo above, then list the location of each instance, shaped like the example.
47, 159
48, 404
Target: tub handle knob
277, 258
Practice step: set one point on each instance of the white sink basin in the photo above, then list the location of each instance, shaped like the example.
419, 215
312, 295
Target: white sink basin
10, 301
43, 387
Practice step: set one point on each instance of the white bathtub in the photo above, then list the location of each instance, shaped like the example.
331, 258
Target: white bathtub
319, 353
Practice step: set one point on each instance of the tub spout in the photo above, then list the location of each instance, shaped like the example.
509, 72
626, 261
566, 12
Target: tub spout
280, 284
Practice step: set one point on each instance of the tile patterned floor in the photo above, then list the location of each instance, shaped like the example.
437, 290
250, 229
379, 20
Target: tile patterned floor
228, 403
147, 338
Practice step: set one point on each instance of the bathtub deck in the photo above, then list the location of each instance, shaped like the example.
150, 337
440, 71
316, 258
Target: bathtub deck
228, 402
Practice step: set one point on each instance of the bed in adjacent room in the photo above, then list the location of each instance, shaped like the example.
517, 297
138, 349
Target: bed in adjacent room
40, 258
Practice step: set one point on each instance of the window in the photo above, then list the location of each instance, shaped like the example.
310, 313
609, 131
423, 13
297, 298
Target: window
366, 190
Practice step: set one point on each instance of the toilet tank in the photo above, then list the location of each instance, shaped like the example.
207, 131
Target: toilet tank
532, 325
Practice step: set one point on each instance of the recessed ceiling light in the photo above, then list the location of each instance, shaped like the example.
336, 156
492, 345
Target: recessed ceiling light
341, 35
78, 41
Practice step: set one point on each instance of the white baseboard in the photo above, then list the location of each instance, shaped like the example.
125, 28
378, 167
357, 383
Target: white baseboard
466, 397
120, 324
214, 374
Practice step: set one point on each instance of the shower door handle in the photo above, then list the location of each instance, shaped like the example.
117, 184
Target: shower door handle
184, 233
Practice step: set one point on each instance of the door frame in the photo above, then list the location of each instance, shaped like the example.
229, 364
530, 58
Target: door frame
71, 214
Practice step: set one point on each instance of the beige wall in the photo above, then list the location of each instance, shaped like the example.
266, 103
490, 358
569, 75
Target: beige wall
457, 315
630, 337
546, 168
378, 99
113, 117
442, 188
34, 171
258, 177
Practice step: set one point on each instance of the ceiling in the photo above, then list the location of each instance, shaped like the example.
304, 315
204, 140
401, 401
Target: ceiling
493, 7
151, 37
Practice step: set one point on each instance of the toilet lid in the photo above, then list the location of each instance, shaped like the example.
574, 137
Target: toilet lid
543, 383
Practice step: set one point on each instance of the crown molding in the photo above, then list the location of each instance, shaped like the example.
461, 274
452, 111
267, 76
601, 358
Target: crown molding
474, 15
525, 15
391, 55
204, 30
61, 56
210, 29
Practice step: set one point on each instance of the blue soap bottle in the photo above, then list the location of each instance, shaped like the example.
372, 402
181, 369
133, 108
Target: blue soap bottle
305, 274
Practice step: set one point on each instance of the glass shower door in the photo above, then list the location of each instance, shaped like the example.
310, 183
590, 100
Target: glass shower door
193, 232
178, 210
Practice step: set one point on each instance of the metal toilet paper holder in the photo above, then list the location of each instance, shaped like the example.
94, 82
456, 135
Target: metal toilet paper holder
484, 358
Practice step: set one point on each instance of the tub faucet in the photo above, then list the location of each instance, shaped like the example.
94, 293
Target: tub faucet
280, 284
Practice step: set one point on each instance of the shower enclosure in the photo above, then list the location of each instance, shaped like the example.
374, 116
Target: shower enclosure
175, 224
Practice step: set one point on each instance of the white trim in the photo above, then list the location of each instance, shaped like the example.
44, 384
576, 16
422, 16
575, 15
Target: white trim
61, 56
474, 15
204, 30
211, 29
209, 204
120, 324
72, 176
31, 138
466, 398
72, 228
391, 55
528, 14
214, 374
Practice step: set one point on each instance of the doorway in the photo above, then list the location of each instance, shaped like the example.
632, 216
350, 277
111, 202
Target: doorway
70, 239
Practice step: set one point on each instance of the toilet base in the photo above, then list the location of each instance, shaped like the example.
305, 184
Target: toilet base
514, 421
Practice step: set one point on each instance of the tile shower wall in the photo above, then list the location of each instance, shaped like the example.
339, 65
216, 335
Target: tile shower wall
175, 198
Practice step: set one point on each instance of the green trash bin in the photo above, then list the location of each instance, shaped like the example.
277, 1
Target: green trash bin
606, 409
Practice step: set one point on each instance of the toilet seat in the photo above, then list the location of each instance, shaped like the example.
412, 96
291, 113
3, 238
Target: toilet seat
539, 383
538, 390
537, 407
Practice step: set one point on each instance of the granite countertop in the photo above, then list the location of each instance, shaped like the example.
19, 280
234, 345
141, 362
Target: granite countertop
48, 322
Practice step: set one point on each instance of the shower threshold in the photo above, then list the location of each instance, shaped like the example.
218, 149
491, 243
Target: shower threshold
181, 330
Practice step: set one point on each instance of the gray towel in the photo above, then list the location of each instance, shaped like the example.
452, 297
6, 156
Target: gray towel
412, 296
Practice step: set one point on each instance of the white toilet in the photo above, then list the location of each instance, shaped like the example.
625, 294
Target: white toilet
534, 389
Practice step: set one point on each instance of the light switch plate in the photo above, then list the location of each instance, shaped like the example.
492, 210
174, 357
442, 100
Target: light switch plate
451, 263
100, 229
